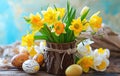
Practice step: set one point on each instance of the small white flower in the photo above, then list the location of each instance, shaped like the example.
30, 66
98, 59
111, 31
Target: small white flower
102, 53
97, 60
101, 61
84, 47
100, 64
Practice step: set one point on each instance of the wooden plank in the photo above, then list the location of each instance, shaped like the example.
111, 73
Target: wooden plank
42, 73
22, 73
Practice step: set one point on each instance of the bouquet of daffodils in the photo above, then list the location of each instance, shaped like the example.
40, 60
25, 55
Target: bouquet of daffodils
60, 25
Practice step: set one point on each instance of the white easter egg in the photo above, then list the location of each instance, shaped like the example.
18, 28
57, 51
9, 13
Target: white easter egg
30, 66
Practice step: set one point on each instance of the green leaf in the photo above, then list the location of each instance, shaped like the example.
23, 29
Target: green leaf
58, 18
61, 38
55, 7
73, 15
51, 35
71, 37
65, 17
68, 6
55, 38
76, 59
69, 16
45, 32
38, 37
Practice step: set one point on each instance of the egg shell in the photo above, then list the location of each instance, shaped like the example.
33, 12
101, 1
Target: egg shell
18, 60
73, 70
39, 58
25, 52
30, 66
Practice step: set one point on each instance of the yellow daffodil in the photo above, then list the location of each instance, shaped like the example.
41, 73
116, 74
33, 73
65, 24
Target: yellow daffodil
85, 24
76, 26
32, 51
102, 52
85, 27
36, 22
95, 22
50, 16
100, 65
86, 62
84, 47
61, 12
28, 40
59, 28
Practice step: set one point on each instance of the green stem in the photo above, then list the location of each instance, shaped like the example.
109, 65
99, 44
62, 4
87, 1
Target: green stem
46, 33
38, 37
54, 37
61, 38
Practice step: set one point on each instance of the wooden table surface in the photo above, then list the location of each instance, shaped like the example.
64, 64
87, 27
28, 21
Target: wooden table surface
42, 73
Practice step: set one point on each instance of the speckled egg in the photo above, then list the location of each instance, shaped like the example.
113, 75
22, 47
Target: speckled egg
30, 66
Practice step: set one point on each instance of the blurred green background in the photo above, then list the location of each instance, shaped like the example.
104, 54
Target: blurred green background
13, 26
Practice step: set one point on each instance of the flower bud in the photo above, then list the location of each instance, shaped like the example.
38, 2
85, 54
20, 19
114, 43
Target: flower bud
84, 10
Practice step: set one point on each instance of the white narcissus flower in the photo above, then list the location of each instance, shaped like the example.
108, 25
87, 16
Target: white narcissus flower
97, 60
84, 47
101, 61
100, 64
102, 53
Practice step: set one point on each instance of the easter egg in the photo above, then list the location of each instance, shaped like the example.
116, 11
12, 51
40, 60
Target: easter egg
24, 51
18, 59
39, 58
73, 70
30, 66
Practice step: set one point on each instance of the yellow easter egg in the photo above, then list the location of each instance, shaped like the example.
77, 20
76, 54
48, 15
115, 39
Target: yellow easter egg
74, 70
